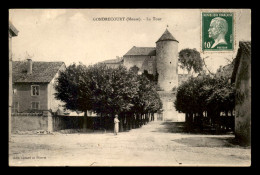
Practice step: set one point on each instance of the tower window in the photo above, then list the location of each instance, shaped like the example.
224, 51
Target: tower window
170, 62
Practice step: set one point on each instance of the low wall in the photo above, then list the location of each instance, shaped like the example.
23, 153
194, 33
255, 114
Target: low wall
29, 123
48, 122
67, 122
77, 122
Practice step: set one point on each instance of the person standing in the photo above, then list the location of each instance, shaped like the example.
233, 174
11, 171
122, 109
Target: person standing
116, 124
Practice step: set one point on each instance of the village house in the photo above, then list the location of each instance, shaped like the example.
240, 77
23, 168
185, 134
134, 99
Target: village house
34, 104
33, 86
241, 76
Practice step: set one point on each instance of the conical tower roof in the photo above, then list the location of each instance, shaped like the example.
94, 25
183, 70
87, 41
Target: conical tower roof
167, 36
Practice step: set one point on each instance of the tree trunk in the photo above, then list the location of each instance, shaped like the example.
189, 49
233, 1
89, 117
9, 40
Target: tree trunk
126, 123
100, 121
200, 121
217, 120
130, 121
85, 122
137, 121
121, 123
134, 121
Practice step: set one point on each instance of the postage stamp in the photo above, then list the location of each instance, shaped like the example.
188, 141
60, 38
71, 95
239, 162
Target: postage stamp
217, 31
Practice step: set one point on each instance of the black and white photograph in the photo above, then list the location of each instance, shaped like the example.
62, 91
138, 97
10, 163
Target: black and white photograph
129, 87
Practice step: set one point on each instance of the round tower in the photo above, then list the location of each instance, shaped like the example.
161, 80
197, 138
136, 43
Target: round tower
167, 61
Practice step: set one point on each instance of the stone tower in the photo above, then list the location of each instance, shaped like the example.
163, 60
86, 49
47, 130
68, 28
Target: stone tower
167, 61
167, 69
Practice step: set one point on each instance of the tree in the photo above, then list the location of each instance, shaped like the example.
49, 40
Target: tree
222, 98
73, 87
113, 89
205, 94
106, 90
190, 59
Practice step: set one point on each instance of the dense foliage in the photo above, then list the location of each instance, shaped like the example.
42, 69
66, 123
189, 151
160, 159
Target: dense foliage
190, 59
205, 93
106, 90
205, 98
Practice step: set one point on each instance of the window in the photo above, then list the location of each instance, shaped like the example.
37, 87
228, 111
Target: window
35, 105
14, 91
35, 90
15, 107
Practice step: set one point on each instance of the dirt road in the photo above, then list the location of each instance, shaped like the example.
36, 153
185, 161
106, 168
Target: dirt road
154, 144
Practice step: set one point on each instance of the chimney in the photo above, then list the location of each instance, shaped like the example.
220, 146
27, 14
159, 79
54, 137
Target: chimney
29, 66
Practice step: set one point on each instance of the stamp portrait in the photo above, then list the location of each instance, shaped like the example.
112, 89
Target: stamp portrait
217, 31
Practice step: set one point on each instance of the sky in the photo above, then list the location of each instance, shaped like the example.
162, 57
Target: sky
73, 35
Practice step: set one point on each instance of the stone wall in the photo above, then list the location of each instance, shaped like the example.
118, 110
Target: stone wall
169, 112
142, 62
167, 64
67, 122
243, 99
29, 123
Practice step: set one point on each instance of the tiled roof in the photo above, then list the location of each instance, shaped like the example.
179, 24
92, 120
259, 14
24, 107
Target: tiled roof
42, 72
13, 30
244, 46
113, 61
167, 36
150, 51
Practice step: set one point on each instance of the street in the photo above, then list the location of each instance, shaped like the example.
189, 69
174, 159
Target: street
156, 144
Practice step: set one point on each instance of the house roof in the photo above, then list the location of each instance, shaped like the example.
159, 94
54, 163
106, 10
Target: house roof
13, 30
42, 72
150, 51
113, 61
166, 36
244, 46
